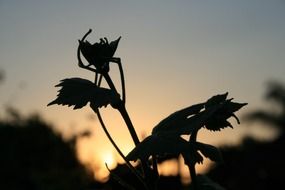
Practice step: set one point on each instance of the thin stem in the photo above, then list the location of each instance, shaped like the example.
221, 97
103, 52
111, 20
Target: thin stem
147, 172
80, 63
123, 111
133, 170
89, 31
125, 115
192, 169
96, 78
100, 80
122, 80
109, 81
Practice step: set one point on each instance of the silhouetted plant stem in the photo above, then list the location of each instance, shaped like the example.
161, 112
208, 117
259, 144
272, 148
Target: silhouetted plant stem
133, 170
125, 115
192, 169
146, 169
109, 82
96, 79
122, 80
122, 109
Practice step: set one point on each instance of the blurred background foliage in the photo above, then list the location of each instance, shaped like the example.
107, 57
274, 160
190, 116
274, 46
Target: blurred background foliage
33, 156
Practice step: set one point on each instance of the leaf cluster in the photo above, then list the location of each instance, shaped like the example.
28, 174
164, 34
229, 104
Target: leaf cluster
166, 136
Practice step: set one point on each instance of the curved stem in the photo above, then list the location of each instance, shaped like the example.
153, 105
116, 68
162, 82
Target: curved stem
133, 170
87, 33
80, 63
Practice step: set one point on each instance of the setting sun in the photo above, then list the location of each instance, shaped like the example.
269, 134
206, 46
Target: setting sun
108, 158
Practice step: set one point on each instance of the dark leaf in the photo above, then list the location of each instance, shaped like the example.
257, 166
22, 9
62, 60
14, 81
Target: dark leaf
113, 46
99, 54
159, 145
191, 155
209, 151
222, 112
234, 106
216, 100
175, 121
164, 145
217, 124
78, 92
213, 116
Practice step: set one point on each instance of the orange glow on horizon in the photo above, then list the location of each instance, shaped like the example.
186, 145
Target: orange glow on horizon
95, 157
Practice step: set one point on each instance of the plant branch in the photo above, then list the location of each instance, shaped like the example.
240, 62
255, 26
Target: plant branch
118, 61
133, 170
123, 111
125, 115
122, 82
147, 172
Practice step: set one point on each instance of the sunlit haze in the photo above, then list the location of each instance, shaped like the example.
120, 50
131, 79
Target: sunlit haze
174, 54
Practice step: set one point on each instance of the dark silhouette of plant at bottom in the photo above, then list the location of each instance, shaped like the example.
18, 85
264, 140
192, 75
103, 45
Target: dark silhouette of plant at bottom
166, 136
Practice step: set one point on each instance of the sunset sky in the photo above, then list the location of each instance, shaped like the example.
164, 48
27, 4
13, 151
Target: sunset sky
174, 54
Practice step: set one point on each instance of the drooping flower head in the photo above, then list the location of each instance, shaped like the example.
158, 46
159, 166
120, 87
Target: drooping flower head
98, 54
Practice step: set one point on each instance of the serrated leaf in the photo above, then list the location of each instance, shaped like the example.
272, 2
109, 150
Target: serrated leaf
78, 92
213, 116
176, 120
217, 99
209, 151
234, 106
222, 112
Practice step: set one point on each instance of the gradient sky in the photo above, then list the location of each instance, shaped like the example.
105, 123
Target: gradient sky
175, 53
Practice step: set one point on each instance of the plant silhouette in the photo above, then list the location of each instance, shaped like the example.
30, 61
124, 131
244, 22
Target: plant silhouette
165, 139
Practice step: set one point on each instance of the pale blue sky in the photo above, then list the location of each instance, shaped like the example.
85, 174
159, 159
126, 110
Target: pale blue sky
175, 53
